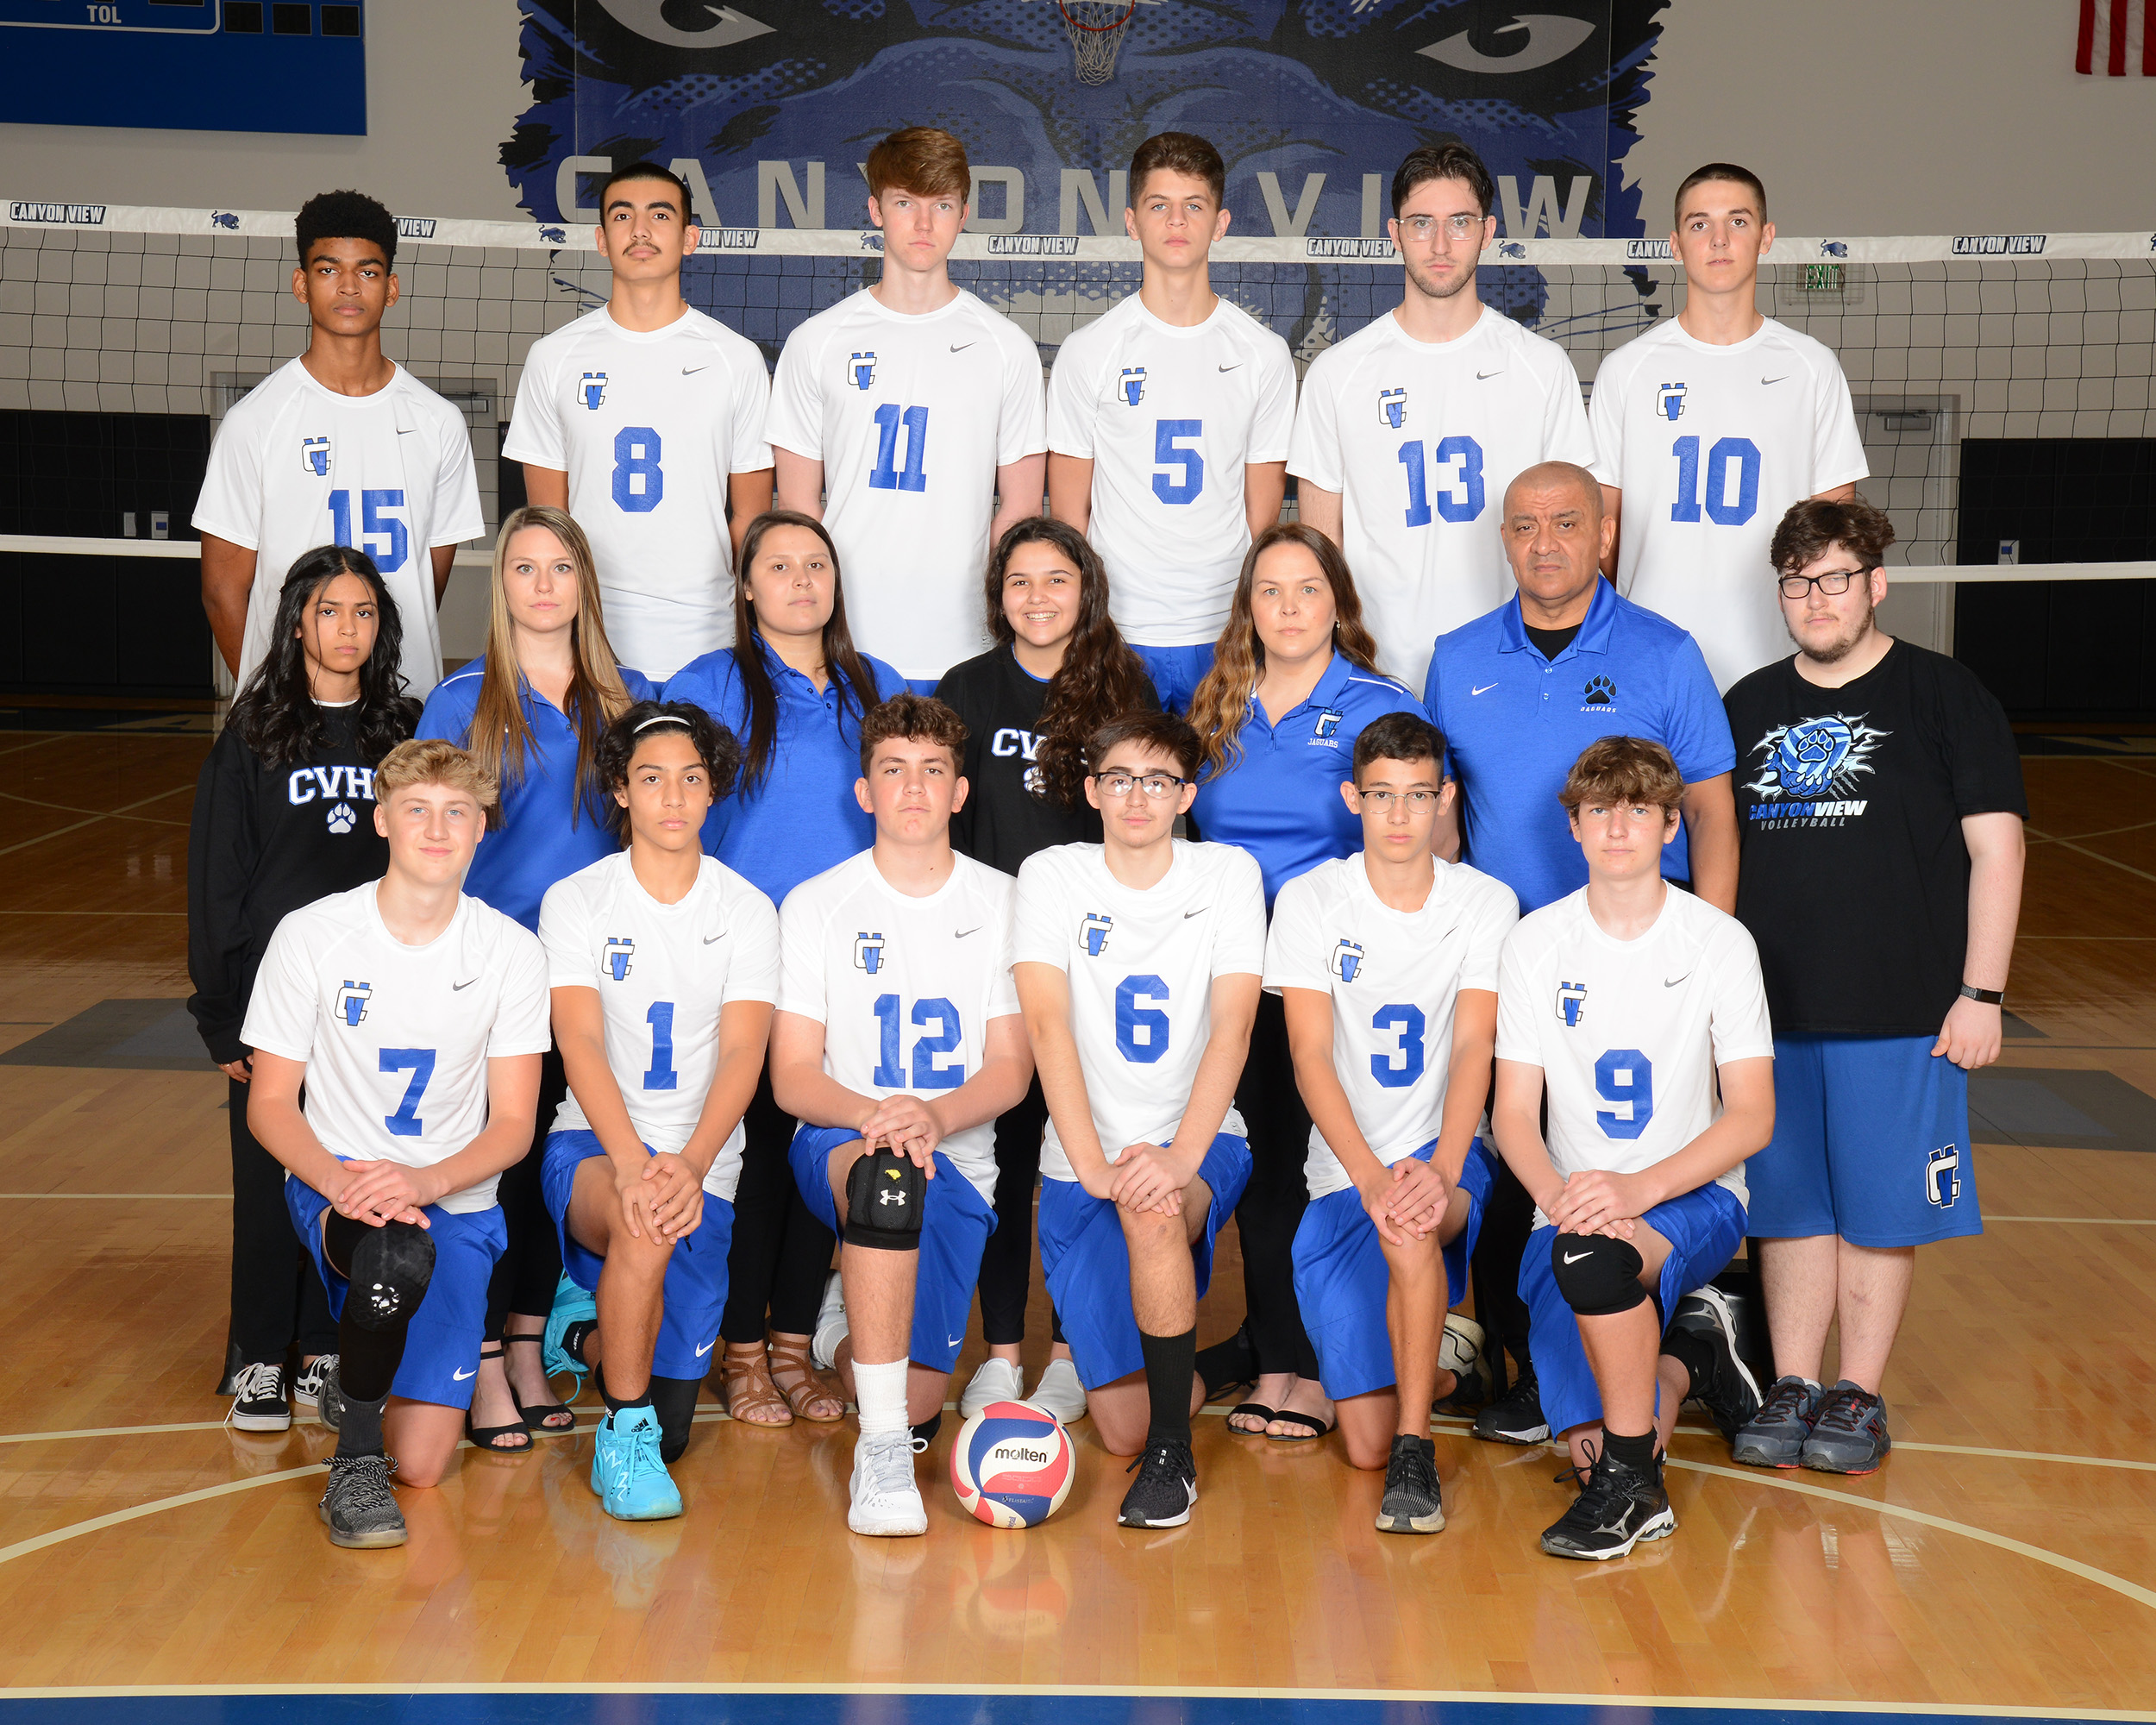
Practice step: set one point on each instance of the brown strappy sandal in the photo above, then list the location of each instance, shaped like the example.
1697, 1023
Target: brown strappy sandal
797, 1379
745, 1385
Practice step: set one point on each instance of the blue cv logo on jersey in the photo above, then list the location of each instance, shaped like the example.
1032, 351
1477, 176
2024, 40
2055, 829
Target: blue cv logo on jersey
1132, 385
615, 956
868, 953
314, 456
352, 1002
1571, 1003
1392, 407
1328, 726
591, 389
1668, 401
861, 370
1347, 959
1094, 930
1942, 1176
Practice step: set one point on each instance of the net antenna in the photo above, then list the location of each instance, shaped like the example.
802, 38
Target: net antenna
1096, 29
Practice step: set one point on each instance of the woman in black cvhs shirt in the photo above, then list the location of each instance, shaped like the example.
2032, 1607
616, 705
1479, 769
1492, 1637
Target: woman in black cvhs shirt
1059, 671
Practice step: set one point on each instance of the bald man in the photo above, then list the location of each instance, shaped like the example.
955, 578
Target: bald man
1519, 693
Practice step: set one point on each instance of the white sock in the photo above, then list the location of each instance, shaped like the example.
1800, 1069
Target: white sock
881, 1392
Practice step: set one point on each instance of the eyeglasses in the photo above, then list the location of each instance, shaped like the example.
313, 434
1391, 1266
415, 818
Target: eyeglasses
1834, 583
1418, 228
1383, 802
1158, 786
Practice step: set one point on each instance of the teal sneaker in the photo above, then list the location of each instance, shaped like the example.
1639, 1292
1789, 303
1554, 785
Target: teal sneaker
571, 1305
627, 1474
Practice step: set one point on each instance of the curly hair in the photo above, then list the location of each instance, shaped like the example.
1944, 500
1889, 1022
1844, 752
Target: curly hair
918, 718
716, 747
345, 216
1100, 677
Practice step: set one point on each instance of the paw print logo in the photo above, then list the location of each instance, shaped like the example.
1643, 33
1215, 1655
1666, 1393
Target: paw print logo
1599, 692
341, 818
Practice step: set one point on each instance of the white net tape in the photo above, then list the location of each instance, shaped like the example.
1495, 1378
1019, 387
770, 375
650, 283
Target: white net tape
1096, 29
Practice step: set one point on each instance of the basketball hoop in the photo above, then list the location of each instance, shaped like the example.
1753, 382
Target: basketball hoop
1096, 28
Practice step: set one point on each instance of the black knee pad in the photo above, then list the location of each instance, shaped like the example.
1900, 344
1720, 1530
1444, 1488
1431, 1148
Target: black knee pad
1599, 1276
673, 1399
884, 1195
391, 1266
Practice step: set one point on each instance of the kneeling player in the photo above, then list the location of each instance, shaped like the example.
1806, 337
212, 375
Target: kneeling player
1138, 961
414, 1017
1630, 1000
1387, 962
665, 964
897, 1044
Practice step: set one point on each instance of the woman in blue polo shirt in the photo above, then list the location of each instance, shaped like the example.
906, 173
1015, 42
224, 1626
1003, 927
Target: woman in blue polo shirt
1293, 683
793, 689
531, 709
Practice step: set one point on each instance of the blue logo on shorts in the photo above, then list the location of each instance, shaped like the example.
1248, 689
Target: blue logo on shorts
617, 955
1942, 1177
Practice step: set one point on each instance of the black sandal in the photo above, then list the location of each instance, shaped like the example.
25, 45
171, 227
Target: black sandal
1248, 1410
1317, 1428
482, 1437
536, 1414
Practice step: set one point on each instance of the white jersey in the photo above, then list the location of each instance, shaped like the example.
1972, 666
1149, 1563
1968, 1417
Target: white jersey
911, 417
1421, 439
397, 1037
1628, 1032
1169, 417
663, 973
1710, 446
1394, 977
1141, 963
295, 466
905, 988
648, 425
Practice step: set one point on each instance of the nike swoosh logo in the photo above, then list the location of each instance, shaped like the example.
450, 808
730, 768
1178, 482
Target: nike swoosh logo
709, 938
458, 1377
707, 1348
1483, 377
459, 988
1237, 367
960, 347
1574, 1257
963, 932
954, 1341
691, 371
1765, 380
1671, 982
1484, 690
1200, 911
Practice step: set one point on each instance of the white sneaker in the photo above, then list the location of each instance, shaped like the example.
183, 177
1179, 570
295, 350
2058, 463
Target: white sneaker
830, 1325
998, 1380
1460, 1351
1060, 1392
886, 1499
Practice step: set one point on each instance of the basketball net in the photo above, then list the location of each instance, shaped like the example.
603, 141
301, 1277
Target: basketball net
1096, 28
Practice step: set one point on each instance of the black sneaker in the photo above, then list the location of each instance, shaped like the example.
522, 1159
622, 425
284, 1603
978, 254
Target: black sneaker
1166, 1487
1730, 1393
1850, 1434
1412, 1503
1517, 1418
1617, 1508
307, 1386
358, 1506
258, 1399
1775, 1436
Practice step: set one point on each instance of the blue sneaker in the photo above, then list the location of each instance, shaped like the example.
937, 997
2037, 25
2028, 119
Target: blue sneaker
571, 1305
631, 1481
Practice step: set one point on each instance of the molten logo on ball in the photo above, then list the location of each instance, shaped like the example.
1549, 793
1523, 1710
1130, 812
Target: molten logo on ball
1011, 1466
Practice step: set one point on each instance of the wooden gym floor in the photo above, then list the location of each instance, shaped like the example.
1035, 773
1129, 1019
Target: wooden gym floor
2005, 1559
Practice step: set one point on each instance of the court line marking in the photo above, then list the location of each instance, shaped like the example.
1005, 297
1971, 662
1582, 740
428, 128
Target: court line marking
98, 1523
64, 808
2101, 832
177, 790
2044, 838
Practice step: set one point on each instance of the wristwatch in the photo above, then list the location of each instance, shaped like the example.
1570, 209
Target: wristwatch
1990, 997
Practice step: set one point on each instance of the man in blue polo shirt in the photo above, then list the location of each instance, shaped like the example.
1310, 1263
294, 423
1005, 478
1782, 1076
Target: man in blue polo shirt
1519, 693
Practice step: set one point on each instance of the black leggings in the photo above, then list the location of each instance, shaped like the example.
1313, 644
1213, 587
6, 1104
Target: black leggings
276, 1294
1006, 1262
524, 1274
1273, 1203
780, 1253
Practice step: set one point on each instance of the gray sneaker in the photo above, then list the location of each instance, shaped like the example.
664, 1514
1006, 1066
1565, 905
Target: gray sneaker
1775, 1436
358, 1506
1413, 1503
1850, 1434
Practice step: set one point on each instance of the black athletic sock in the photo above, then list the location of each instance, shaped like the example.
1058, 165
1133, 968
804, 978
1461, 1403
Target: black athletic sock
359, 1431
1170, 1362
1693, 1352
616, 1403
1637, 1454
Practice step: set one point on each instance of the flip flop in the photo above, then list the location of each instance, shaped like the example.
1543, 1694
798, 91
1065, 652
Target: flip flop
1250, 1410
1318, 1427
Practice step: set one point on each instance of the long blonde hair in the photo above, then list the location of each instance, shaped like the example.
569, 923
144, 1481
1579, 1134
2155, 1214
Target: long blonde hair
1223, 698
500, 739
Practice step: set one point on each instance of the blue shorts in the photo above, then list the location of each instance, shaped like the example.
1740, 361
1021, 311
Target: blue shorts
1703, 1228
1175, 671
694, 1293
1870, 1142
955, 1223
1341, 1279
1087, 1262
442, 1345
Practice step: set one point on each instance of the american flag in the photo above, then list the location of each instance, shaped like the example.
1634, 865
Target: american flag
2115, 41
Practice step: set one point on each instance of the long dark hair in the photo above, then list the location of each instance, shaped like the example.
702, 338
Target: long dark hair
842, 662
276, 714
1100, 679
